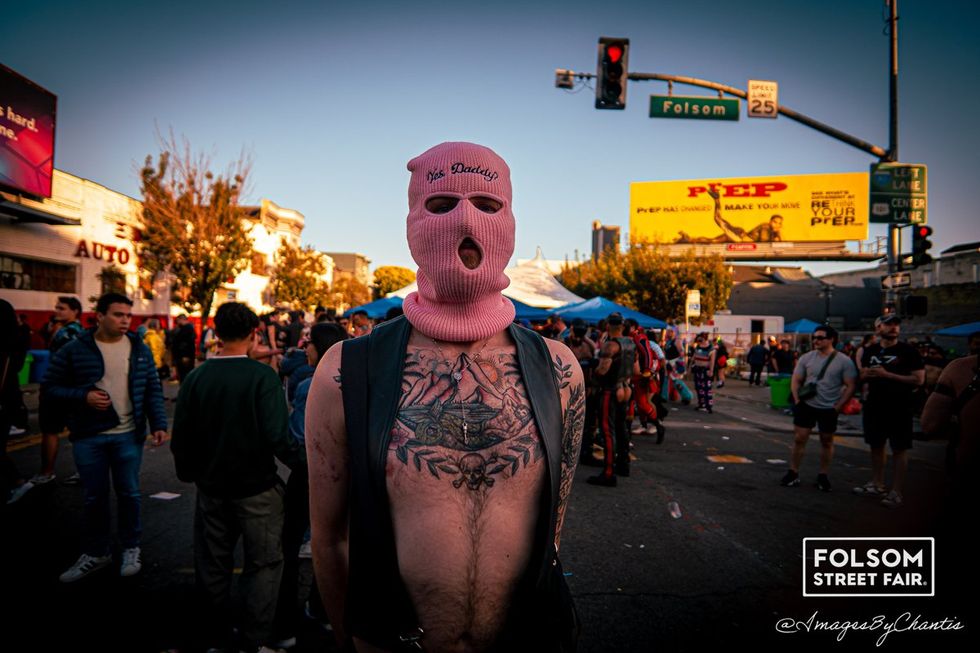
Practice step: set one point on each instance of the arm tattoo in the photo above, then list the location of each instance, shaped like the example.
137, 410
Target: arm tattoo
475, 429
562, 373
572, 426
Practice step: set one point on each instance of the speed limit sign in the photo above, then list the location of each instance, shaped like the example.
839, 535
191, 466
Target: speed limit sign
763, 100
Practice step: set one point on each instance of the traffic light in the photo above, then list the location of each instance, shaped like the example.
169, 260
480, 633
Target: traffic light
610, 88
921, 245
913, 305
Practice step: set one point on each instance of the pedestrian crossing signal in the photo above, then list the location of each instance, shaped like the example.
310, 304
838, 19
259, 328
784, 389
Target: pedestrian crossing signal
611, 73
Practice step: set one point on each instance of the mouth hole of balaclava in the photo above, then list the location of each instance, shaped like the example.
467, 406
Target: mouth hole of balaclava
470, 254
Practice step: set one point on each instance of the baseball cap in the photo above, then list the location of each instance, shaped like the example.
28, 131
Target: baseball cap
890, 318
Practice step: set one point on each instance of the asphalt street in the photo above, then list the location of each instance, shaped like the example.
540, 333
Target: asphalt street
699, 548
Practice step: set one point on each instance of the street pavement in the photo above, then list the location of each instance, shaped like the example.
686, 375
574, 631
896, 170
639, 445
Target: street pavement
699, 548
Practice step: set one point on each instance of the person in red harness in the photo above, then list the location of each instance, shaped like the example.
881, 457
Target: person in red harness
616, 365
645, 384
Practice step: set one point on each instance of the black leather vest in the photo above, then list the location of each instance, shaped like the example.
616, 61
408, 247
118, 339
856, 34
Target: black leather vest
378, 608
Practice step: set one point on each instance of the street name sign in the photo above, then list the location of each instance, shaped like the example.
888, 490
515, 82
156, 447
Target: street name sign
898, 193
896, 280
697, 107
763, 99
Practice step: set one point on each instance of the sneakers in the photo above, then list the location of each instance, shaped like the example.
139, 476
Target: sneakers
893, 500
131, 563
43, 479
869, 489
16, 431
85, 565
18, 492
638, 430
791, 479
823, 482
74, 479
602, 479
305, 553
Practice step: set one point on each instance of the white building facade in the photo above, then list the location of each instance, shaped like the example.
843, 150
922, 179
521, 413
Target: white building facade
61, 245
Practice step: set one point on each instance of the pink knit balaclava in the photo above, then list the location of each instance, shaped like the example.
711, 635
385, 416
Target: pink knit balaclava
453, 302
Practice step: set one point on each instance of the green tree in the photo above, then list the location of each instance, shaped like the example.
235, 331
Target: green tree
298, 279
648, 280
389, 278
347, 292
193, 225
111, 279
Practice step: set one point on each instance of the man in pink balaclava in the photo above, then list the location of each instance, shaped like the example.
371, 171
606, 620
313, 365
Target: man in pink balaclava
442, 446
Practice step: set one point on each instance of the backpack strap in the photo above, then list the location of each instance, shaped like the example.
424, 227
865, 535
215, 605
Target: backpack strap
823, 370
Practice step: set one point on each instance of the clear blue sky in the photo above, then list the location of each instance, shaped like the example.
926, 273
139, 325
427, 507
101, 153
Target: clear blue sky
333, 98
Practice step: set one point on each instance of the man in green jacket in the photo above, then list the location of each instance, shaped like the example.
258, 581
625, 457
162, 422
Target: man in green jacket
229, 427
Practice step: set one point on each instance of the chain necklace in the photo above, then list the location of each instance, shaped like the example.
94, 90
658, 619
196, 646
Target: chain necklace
457, 376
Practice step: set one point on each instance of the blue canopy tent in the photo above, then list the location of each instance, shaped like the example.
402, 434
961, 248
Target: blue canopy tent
530, 313
599, 308
376, 309
961, 330
801, 326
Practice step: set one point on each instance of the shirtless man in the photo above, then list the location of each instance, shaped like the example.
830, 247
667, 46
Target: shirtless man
476, 459
767, 232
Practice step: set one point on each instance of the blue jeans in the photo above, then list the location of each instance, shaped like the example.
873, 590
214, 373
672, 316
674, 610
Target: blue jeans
96, 457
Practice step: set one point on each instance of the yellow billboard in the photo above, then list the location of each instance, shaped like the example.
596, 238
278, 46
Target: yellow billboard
777, 208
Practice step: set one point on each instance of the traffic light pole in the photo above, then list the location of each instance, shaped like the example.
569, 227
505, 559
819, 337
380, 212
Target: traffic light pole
782, 109
862, 145
894, 231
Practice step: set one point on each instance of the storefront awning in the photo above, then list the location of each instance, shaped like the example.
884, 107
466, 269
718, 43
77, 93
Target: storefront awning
22, 213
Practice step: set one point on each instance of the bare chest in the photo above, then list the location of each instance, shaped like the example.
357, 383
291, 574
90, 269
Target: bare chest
465, 471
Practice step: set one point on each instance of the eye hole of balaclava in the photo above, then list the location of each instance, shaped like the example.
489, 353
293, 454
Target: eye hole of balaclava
441, 204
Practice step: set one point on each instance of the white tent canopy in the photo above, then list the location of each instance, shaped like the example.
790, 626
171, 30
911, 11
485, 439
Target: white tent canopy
530, 283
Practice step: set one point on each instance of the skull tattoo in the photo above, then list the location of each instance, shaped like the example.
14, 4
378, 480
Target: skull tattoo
473, 472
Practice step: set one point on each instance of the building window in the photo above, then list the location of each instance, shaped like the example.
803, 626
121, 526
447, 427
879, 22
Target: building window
19, 273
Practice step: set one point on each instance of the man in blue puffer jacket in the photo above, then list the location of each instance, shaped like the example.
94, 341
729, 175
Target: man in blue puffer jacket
107, 383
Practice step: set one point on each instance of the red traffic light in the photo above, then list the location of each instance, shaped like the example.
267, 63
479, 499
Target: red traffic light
923, 231
614, 53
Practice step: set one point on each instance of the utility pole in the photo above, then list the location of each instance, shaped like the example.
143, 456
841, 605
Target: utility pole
894, 231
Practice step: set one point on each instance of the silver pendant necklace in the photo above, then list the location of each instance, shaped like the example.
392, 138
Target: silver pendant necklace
457, 376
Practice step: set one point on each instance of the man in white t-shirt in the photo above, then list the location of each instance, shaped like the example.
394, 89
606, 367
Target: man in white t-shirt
106, 381
822, 382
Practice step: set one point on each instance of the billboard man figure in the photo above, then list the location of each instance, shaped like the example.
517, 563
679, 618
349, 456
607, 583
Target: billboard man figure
767, 232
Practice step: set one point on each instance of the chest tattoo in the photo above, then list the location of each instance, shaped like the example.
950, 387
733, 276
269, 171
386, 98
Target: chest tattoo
466, 421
